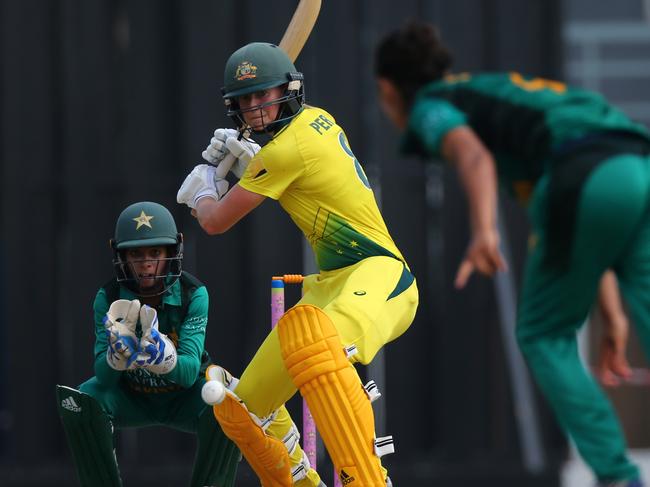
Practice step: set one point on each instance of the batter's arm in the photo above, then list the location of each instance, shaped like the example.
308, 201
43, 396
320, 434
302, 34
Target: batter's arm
217, 217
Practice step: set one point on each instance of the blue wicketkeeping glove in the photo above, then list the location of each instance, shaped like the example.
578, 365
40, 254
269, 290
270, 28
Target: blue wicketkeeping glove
120, 323
157, 352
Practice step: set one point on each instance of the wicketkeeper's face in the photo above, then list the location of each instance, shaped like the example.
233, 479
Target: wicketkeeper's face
258, 109
148, 264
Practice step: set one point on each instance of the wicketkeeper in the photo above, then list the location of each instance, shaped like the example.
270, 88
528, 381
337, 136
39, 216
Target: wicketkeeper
150, 324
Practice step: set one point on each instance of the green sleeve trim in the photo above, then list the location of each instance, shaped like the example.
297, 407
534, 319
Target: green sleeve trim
430, 120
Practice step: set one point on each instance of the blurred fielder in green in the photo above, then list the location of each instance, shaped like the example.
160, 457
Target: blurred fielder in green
150, 323
583, 169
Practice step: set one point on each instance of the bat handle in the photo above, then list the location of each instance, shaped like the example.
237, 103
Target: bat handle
225, 165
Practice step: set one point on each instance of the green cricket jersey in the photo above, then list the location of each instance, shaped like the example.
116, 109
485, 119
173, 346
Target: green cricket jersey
522, 121
183, 323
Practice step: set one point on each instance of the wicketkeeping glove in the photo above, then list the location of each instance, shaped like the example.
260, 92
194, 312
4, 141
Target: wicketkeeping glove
120, 323
200, 183
157, 352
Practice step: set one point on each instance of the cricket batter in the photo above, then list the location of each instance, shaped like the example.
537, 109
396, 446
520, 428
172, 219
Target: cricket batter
582, 167
150, 323
363, 297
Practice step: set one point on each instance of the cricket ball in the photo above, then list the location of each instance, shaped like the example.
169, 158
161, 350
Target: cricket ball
213, 392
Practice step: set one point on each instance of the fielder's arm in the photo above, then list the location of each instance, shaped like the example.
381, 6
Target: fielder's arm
476, 168
612, 362
191, 340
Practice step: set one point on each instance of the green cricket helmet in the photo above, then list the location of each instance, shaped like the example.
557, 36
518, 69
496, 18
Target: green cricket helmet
259, 66
147, 224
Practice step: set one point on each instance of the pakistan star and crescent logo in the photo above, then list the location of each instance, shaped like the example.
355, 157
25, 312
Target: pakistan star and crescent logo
143, 219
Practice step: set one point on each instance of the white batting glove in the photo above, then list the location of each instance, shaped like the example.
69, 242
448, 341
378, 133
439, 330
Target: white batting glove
244, 150
158, 353
216, 372
217, 150
120, 323
200, 183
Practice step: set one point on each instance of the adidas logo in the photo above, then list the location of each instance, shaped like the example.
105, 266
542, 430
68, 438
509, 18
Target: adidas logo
345, 478
69, 404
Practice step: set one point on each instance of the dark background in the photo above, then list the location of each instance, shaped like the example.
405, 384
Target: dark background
105, 103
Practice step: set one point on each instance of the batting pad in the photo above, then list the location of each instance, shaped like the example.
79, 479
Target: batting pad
267, 456
314, 357
90, 437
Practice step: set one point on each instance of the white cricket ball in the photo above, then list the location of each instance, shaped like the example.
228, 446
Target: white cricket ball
213, 392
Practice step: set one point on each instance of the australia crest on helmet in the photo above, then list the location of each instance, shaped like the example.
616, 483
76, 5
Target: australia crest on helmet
246, 70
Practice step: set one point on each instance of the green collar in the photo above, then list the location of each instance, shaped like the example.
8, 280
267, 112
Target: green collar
171, 297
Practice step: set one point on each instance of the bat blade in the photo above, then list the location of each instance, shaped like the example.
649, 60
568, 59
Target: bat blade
301, 25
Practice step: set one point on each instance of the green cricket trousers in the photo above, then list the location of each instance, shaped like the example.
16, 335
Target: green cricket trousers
611, 229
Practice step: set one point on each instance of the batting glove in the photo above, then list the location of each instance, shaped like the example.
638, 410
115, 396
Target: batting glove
217, 150
202, 182
229, 141
244, 150
216, 372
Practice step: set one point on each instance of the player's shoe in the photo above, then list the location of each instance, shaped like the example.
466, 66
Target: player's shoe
390, 484
621, 483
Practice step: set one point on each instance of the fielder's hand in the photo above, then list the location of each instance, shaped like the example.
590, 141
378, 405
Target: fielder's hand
483, 255
158, 353
202, 182
120, 323
612, 362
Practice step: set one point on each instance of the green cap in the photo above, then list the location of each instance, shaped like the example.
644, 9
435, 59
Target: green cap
145, 224
254, 67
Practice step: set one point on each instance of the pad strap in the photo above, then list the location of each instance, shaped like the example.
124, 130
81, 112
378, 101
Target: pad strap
372, 391
384, 446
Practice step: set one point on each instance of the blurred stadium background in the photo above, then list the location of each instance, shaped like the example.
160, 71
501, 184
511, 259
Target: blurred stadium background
108, 102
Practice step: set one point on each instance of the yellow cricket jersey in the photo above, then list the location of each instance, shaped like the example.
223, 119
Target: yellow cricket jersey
311, 170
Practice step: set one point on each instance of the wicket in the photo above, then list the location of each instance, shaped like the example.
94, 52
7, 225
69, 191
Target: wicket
277, 310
